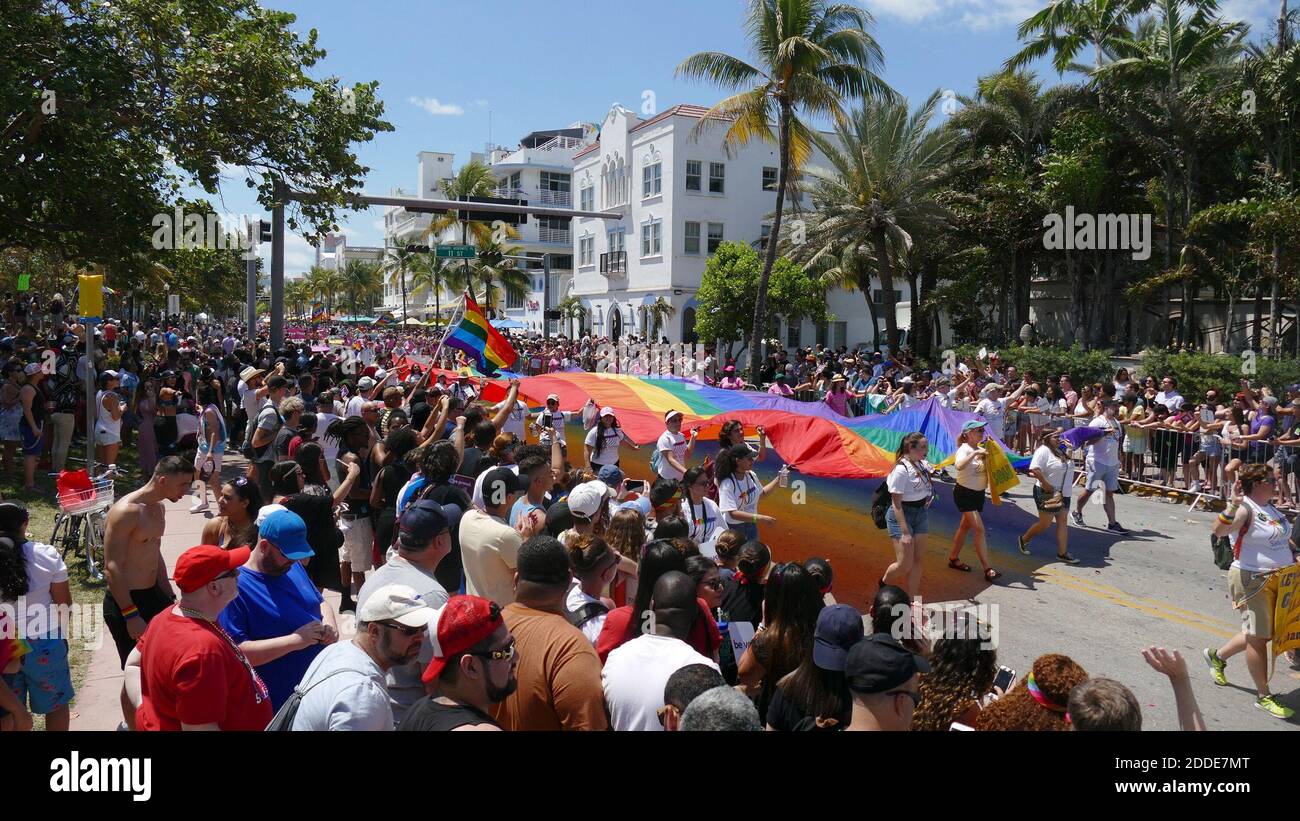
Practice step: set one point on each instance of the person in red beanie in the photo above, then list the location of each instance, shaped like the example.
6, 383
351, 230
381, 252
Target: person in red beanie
473, 667
186, 672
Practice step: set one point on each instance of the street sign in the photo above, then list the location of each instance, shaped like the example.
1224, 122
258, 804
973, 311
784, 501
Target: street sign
455, 252
24, 282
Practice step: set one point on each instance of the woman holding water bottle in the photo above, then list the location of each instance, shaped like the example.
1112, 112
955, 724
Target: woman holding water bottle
739, 490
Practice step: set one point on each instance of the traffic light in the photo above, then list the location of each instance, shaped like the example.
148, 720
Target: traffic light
412, 248
263, 231
492, 216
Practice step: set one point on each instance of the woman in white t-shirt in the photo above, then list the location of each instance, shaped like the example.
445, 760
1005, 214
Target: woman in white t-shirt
701, 513
739, 491
908, 516
1052, 467
36, 573
968, 495
603, 440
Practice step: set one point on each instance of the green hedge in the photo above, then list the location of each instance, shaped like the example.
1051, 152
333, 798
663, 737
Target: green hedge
1048, 360
1198, 372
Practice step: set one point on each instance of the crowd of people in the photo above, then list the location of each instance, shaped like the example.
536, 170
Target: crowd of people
497, 581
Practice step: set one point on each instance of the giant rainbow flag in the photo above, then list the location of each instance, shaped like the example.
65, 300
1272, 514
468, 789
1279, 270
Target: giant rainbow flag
483, 343
809, 435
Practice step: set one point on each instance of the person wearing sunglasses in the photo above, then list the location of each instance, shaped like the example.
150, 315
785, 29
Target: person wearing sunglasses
473, 666
883, 677
160, 673
345, 688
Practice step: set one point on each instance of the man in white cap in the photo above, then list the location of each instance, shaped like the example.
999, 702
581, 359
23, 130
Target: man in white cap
355, 404
252, 394
345, 687
550, 418
673, 448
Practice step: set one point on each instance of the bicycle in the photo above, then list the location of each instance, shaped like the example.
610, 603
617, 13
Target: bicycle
82, 519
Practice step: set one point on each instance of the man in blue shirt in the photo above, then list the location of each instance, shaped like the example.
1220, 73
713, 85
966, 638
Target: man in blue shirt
279, 620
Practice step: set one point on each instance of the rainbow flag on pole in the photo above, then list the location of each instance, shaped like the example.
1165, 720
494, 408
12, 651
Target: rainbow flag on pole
318, 312
477, 338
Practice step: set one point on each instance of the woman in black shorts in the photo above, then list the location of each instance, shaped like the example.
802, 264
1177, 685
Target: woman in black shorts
968, 495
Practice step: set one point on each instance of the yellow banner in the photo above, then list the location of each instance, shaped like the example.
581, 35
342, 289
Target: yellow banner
1286, 613
1002, 476
91, 296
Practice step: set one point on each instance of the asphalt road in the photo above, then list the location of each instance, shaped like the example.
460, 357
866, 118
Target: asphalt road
1157, 585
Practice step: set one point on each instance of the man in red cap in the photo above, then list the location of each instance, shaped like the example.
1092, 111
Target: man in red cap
473, 667
187, 673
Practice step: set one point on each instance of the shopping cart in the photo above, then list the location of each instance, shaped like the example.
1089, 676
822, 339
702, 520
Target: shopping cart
83, 516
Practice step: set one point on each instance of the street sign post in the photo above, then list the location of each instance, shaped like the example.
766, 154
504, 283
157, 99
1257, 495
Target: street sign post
454, 252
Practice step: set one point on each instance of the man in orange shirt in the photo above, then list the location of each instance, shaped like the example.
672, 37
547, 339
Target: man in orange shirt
559, 671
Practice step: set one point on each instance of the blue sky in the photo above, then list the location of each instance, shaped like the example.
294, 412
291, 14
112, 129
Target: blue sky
443, 65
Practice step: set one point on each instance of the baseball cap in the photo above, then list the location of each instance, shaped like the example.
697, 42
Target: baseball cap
288, 532
423, 521
458, 625
671, 412
558, 518
1295, 388
553, 397
586, 498
396, 602
839, 627
879, 663
499, 483
35, 368
610, 475
1269, 400
741, 451
607, 411
365, 383
200, 565
276, 382
972, 424
641, 504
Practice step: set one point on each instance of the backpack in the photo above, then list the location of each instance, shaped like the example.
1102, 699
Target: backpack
655, 460
282, 721
253, 454
586, 613
880, 503
1227, 551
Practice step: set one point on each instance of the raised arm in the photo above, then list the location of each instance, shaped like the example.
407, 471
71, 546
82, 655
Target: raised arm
505, 408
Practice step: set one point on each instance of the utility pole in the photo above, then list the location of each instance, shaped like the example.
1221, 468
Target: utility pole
277, 267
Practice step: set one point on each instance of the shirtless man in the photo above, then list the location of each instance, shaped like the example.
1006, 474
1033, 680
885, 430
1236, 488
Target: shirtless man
138, 587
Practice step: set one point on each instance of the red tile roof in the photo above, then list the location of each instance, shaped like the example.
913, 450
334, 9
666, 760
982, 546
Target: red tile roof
587, 150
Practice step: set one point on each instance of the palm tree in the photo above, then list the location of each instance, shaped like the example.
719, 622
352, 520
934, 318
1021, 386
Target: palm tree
811, 54
297, 294
571, 309
491, 266
325, 284
396, 262
886, 167
657, 314
428, 271
364, 282
1065, 27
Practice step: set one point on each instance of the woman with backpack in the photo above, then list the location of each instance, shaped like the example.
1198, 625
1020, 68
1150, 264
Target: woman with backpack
907, 511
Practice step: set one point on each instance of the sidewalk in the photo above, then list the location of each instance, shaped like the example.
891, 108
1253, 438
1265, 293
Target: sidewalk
97, 705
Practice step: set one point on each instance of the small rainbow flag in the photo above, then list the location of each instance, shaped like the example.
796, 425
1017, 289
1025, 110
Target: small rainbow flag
384, 321
318, 312
484, 344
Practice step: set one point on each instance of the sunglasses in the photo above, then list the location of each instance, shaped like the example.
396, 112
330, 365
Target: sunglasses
504, 654
409, 632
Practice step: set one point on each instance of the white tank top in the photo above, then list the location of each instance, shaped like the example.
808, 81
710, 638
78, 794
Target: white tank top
105, 423
1264, 547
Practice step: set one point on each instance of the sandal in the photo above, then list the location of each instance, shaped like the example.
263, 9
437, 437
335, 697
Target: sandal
991, 575
956, 565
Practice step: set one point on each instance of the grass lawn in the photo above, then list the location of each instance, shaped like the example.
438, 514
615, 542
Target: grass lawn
42, 507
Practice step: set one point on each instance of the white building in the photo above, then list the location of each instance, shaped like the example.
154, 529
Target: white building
680, 198
538, 170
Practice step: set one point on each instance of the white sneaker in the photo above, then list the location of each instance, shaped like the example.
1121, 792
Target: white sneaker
1196, 487
199, 507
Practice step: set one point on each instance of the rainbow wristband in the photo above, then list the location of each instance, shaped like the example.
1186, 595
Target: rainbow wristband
1227, 520
129, 611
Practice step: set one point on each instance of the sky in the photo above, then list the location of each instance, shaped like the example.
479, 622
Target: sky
454, 74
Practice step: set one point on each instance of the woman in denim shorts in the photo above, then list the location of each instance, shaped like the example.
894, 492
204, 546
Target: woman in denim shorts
908, 516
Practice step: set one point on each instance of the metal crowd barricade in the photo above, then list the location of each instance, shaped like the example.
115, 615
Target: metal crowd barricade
1170, 450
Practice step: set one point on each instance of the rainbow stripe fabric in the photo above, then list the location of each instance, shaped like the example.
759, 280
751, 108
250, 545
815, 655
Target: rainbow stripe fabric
807, 434
479, 340
318, 312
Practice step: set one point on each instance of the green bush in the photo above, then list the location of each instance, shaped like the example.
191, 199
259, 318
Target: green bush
1197, 372
1049, 360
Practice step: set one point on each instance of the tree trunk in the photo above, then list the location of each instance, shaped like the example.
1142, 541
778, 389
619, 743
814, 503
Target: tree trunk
769, 258
925, 321
914, 321
1227, 325
1274, 313
887, 289
864, 285
1256, 335
402, 272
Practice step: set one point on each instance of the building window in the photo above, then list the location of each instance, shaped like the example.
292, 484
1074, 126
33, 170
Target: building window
651, 182
717, 177
693, 175
555, 181
769, 178
834, 336
792, 333
651, 236
587, 199
514, 301
562, 262
586, 250
617, 242
692, 238
715, 236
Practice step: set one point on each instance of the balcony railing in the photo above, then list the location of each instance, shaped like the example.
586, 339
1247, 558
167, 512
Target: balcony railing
614, 263
543, 196
561, 236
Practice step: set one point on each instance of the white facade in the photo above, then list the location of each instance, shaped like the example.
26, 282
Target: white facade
679, 196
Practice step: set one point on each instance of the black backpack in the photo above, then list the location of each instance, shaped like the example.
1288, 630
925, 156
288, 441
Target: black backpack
282, 721
586, 613
880, 503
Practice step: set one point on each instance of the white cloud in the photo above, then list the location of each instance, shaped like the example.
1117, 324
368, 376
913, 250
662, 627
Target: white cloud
983, 15
436, 108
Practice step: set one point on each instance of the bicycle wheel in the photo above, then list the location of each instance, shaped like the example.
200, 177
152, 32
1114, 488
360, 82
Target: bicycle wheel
95, 525
58, 537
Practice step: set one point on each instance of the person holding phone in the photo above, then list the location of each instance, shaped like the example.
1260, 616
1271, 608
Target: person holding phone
603, 440
550, 419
